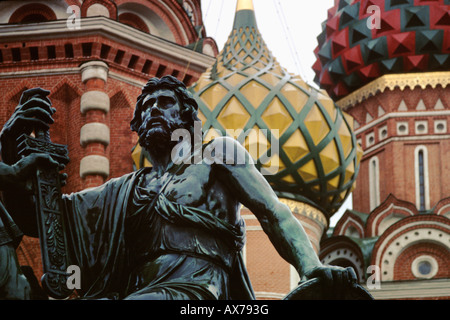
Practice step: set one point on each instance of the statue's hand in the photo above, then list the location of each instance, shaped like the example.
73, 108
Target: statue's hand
334, 277
325, 282
34, 111
23, 170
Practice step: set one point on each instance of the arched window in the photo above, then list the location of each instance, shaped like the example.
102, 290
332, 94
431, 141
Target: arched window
33, 18
374, 183
134, 21
421, 176
32, 13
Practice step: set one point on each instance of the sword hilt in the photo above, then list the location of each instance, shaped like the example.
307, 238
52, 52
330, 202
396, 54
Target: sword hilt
43, 135
49, 209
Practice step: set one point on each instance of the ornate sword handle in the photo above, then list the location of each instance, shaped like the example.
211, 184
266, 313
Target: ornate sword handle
49, 210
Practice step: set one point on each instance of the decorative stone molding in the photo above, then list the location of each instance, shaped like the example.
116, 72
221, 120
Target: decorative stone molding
424, 267
94, 132
312, 219
392, 81
94, 165
412, 289
391, 244
306, 210
349, 223
349, 255
94, 100
94, 69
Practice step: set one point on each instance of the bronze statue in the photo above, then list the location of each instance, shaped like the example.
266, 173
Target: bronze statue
172, 231
14, 285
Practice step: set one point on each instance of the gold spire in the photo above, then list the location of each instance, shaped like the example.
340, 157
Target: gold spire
244, 5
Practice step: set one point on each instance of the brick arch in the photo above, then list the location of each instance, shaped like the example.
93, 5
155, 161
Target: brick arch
407, 233
442, 207
73, 2
12, 98
170, 12
122, 139
403, 263
65, 82
134, 21
130, 96
342, 251
353, 224
65, 95
32, 9
389, 206
110, 5
212, 43
15, 94
349, 219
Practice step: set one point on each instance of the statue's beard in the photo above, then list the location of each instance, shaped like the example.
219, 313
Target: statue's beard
153, 136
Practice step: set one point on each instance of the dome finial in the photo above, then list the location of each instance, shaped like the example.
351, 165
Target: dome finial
244, 5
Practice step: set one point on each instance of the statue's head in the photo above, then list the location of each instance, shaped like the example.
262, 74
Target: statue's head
164, 105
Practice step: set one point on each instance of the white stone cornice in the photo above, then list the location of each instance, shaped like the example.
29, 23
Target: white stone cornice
94, 70
94, 100
412, 289
94, 132
39, 73
113, 30
94, 165
123, 78
269, 295
392, 81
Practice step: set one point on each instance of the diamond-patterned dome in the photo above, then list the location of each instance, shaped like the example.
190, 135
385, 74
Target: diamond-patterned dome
296, 128
412, 36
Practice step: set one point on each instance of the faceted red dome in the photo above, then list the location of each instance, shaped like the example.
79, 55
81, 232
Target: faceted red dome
365, 39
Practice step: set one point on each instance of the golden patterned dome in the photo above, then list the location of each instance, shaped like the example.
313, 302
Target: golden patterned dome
299, 130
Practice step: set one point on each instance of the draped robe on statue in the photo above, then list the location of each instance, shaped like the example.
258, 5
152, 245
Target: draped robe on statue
13, 284
131, 243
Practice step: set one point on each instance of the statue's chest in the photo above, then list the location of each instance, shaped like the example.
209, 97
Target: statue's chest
187, 186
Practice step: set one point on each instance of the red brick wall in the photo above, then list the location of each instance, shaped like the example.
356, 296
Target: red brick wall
396, 157
122, 99
268, 272
68, 119
397, 172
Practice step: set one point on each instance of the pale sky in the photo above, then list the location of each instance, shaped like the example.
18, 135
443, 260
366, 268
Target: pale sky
289, 28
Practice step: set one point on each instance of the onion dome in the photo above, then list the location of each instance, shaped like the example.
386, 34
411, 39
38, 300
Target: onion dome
283, 122
366, 39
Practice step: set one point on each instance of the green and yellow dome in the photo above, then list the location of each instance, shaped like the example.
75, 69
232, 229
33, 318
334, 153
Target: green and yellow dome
299, 129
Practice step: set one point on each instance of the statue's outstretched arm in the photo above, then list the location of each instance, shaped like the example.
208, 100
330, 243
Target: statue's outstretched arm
284, 230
